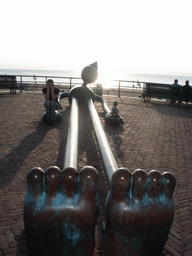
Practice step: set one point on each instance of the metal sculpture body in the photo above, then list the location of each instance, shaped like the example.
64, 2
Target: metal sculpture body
61, 208
51, 115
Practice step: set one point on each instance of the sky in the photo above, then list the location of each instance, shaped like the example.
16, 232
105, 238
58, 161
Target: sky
139, 36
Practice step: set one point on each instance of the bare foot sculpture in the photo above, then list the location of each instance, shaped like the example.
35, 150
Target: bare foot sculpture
60, 211
139, 213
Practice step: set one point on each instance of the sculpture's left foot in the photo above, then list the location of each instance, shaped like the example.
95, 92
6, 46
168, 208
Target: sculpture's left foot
60, 212
139, 213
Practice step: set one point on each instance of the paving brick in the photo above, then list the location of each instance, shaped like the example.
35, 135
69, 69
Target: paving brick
175, 246
13, 244
2, 213
177, 235
3, 242
188, 247
20, 223
175, 240
9, 236
187, 239
10, 251
12, 205
189, 253
6, 208
16, 230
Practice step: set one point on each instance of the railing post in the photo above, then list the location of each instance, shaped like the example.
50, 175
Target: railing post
119, 89
21, 82
70, 82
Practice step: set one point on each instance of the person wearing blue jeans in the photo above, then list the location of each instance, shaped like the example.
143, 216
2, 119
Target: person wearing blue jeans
51, 104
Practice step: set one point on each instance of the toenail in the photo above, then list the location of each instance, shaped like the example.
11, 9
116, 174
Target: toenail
35, 176
70, 176
139, 178
122, 178
89, 176
154, 179
167, 181
53, 176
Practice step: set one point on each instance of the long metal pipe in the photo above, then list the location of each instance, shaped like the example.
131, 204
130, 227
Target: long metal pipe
63, 95
103, 102
110, 164
71, 153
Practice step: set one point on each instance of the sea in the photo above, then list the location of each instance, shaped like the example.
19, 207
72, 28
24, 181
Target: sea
111, 80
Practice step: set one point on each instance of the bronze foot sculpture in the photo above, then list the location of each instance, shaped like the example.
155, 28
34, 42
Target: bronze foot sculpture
51, 115
139, 213
60, 211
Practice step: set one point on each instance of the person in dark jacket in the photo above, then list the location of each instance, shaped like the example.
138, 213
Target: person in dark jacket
175, 90
186, 91
51, 104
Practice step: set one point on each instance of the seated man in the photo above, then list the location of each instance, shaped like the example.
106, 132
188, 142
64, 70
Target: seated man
175, 90
51, 104
186, 91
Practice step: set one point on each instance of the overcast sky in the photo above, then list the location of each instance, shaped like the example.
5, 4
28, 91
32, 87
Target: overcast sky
137, 36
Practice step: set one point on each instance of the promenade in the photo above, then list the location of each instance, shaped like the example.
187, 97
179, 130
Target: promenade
155, 136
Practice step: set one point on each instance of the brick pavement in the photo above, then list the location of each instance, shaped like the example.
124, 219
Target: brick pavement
155, 136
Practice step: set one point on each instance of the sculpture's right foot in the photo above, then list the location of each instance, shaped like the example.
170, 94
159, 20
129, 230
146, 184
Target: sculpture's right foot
139, 213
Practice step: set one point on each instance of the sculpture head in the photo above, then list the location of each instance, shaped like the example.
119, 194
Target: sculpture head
90, 73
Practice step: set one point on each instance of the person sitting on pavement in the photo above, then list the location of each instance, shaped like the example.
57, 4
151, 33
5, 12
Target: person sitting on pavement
51, 104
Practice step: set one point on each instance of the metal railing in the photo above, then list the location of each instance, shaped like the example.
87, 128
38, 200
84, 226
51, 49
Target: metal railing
40, 81
113, 87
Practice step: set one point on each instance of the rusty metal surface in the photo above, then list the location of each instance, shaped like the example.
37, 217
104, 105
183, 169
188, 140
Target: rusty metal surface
139, 213
60, 211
